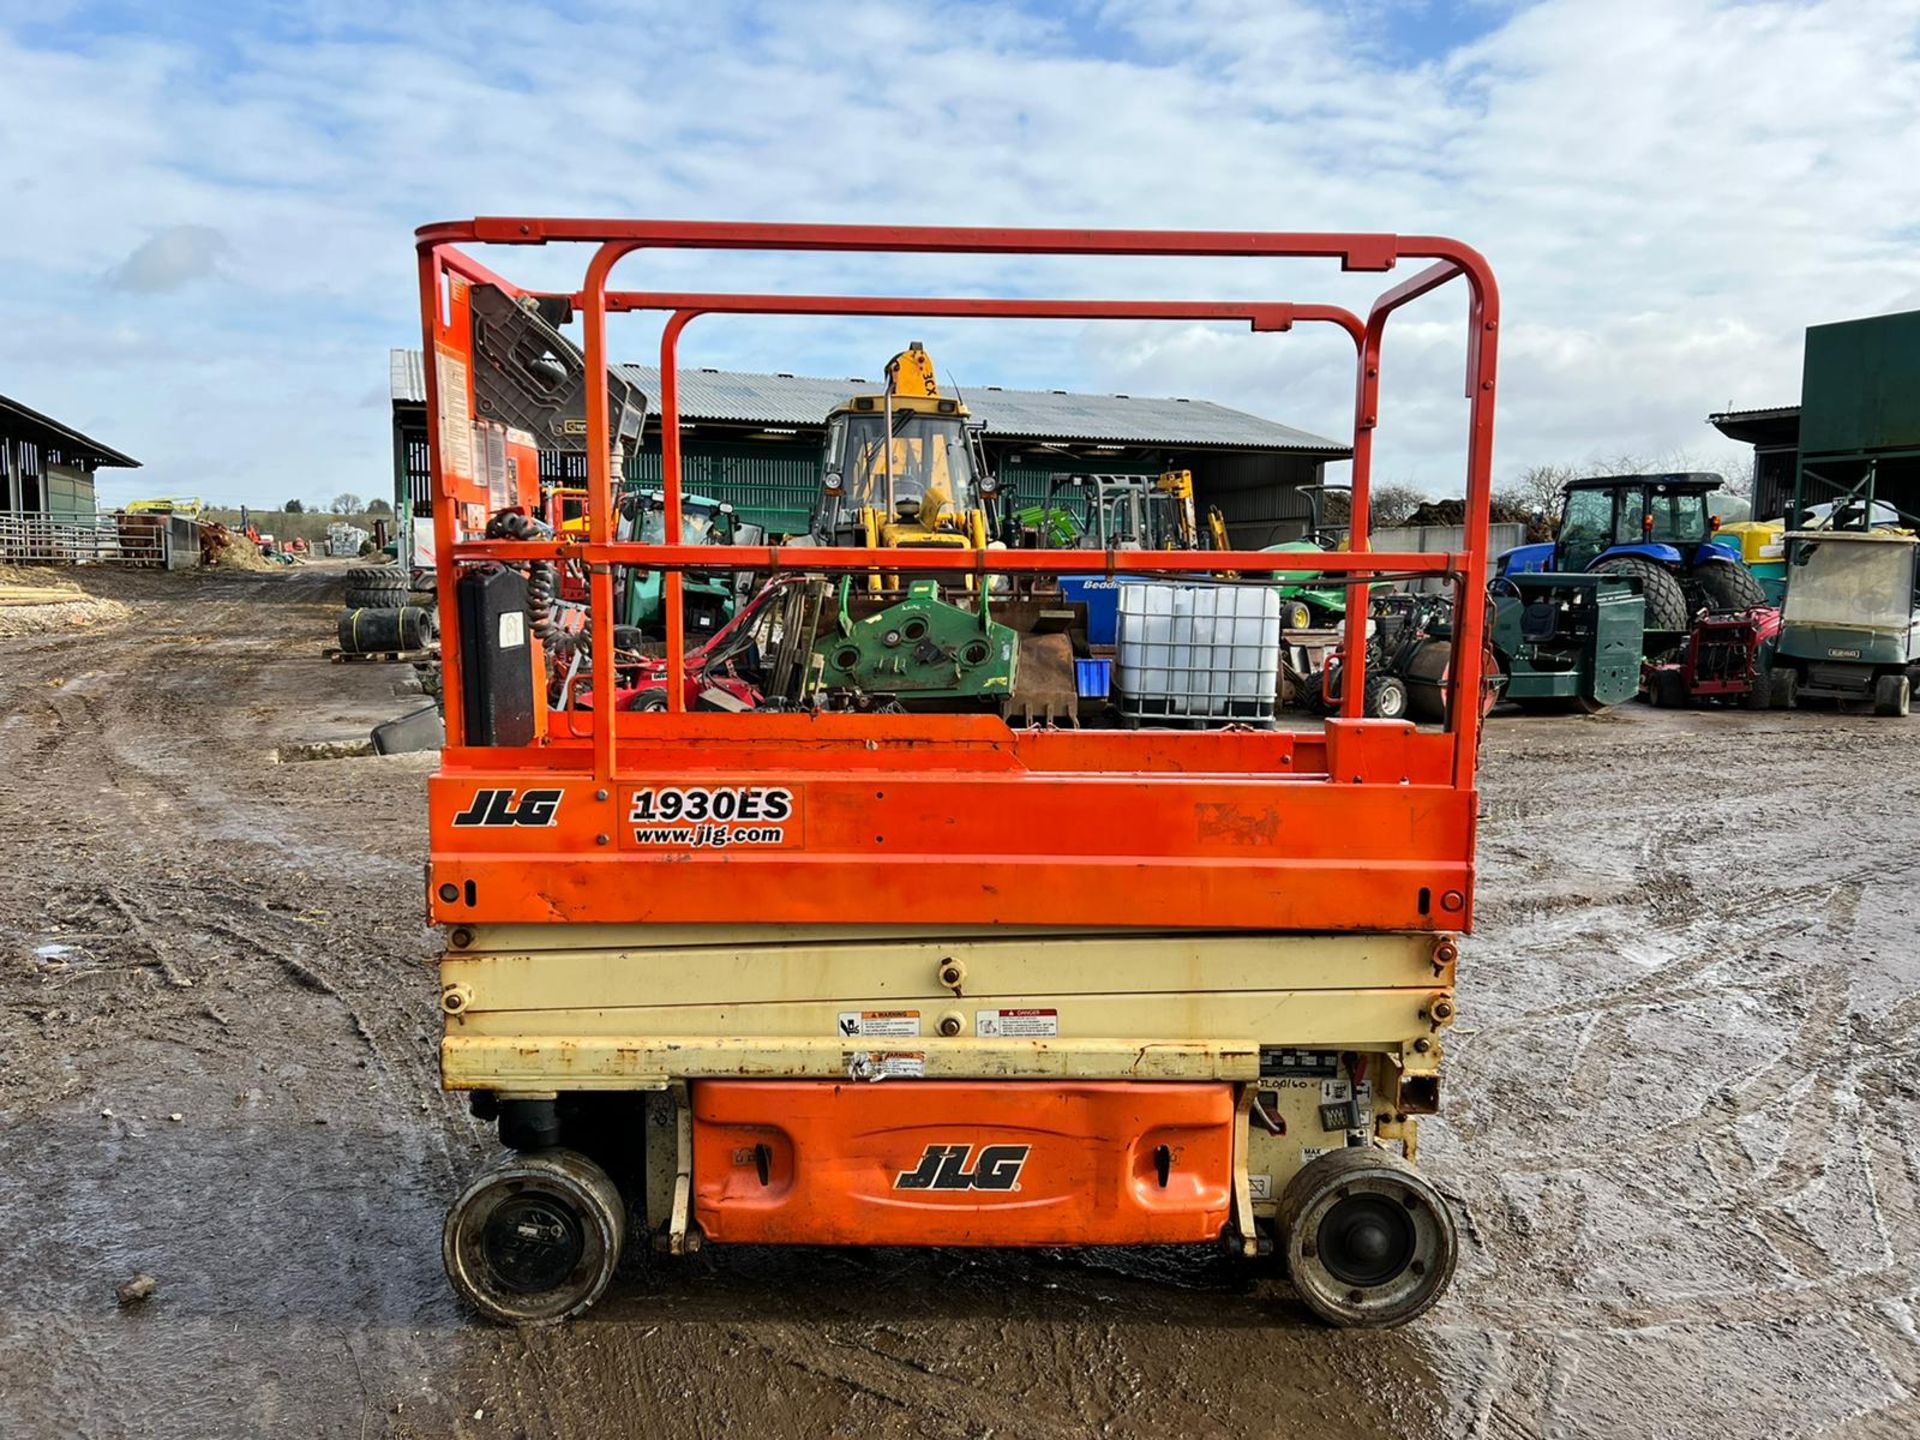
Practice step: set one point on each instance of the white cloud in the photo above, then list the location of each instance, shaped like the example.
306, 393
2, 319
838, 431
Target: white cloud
1670, 192
171, 258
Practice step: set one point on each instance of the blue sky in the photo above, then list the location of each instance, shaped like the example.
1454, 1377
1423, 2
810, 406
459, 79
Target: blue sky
222, 197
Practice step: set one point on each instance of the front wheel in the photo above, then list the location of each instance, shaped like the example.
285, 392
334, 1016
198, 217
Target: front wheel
1892, 695
535, 1239
1784, 687
1667, 613
1368, 1240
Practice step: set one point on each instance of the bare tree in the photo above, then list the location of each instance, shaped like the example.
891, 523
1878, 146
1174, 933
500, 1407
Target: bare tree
345, 503
1392, 503
1538, 487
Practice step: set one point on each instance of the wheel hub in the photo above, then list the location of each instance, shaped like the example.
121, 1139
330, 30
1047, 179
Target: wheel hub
532, 1243
1366, 1240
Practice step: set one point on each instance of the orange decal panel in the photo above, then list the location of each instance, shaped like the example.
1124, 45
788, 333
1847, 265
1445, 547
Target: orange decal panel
914, 1162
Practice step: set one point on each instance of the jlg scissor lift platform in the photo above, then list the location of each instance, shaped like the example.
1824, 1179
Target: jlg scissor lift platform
929, 979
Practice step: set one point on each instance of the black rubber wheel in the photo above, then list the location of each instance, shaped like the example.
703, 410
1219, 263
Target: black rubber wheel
1386, 697
535, 1239
1667, 690
379, 575
1666, 601
363, 597
1892, 695
1760, 696
1295, 615
1367, 1240
1784, 687
1728, 585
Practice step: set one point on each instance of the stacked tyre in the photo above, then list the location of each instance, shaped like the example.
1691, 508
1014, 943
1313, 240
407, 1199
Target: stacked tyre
385, 612
381, 587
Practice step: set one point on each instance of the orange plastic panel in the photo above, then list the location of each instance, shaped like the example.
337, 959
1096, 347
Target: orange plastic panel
928, 1162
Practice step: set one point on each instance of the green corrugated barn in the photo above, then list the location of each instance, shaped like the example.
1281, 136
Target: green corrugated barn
754, 441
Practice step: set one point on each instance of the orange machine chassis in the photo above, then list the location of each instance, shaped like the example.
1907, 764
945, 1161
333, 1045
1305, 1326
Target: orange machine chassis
945, 819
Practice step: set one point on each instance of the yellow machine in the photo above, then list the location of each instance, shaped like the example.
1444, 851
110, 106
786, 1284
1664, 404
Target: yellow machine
902, 469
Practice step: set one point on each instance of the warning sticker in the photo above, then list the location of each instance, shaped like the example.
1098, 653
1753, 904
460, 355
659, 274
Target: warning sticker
513, 629
1259, 1187
1314, 1152
885, 1064
456, 421
879, 1024
1015, 1024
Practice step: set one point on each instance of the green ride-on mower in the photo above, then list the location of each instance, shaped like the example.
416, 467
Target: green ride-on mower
708, 597
1568, 642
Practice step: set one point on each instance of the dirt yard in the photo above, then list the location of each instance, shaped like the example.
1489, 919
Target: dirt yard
1679, 1120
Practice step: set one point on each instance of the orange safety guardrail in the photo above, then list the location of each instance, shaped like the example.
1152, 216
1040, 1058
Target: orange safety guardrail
957, 819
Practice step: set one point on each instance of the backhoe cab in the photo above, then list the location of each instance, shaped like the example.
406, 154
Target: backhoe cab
903, 469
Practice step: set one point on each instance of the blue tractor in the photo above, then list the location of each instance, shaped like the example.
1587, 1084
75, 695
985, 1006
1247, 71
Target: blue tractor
1657, 529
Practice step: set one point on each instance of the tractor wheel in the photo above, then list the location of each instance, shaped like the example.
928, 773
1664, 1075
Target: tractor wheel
1666, 601
1368, 1241
1728, 585
1783, 688
1386, 697
1892, 695
536, 1238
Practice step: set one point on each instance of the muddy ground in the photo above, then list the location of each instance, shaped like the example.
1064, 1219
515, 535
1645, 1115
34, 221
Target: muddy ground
1679, 1112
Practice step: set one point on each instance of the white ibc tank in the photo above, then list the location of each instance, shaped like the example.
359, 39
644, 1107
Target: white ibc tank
1198, 654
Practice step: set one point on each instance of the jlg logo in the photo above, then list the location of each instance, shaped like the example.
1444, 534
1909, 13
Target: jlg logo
497, 807
944, 1167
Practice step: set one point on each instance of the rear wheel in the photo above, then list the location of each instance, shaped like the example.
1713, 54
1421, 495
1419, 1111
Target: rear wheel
1728, 585
1666, 601
1386, 697
1368, 1241
1892, 695
535, 1239
1760, 695
1295, 615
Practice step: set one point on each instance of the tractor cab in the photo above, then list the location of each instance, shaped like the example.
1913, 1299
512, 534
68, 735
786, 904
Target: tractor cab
903, 468
1666, 516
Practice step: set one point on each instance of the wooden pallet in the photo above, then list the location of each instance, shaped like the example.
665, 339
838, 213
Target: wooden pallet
380, 657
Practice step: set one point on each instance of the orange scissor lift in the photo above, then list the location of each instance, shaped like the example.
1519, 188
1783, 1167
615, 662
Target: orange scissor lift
839, 978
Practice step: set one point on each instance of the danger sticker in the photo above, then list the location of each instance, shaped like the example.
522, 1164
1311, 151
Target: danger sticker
879, 1024
1015, 1024
885, 1064
713, 817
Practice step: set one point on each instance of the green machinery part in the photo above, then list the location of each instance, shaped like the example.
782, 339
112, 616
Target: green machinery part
1569, 639
921, 650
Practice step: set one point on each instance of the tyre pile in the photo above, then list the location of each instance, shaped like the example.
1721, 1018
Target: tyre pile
387, 611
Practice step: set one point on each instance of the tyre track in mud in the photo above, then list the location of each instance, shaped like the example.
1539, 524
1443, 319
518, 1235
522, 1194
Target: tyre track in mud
1768, 909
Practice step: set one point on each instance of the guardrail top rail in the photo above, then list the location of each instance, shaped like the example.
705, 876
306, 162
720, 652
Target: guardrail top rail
945, 818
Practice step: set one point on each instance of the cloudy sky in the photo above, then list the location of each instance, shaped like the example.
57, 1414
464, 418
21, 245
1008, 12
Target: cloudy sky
209, 203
